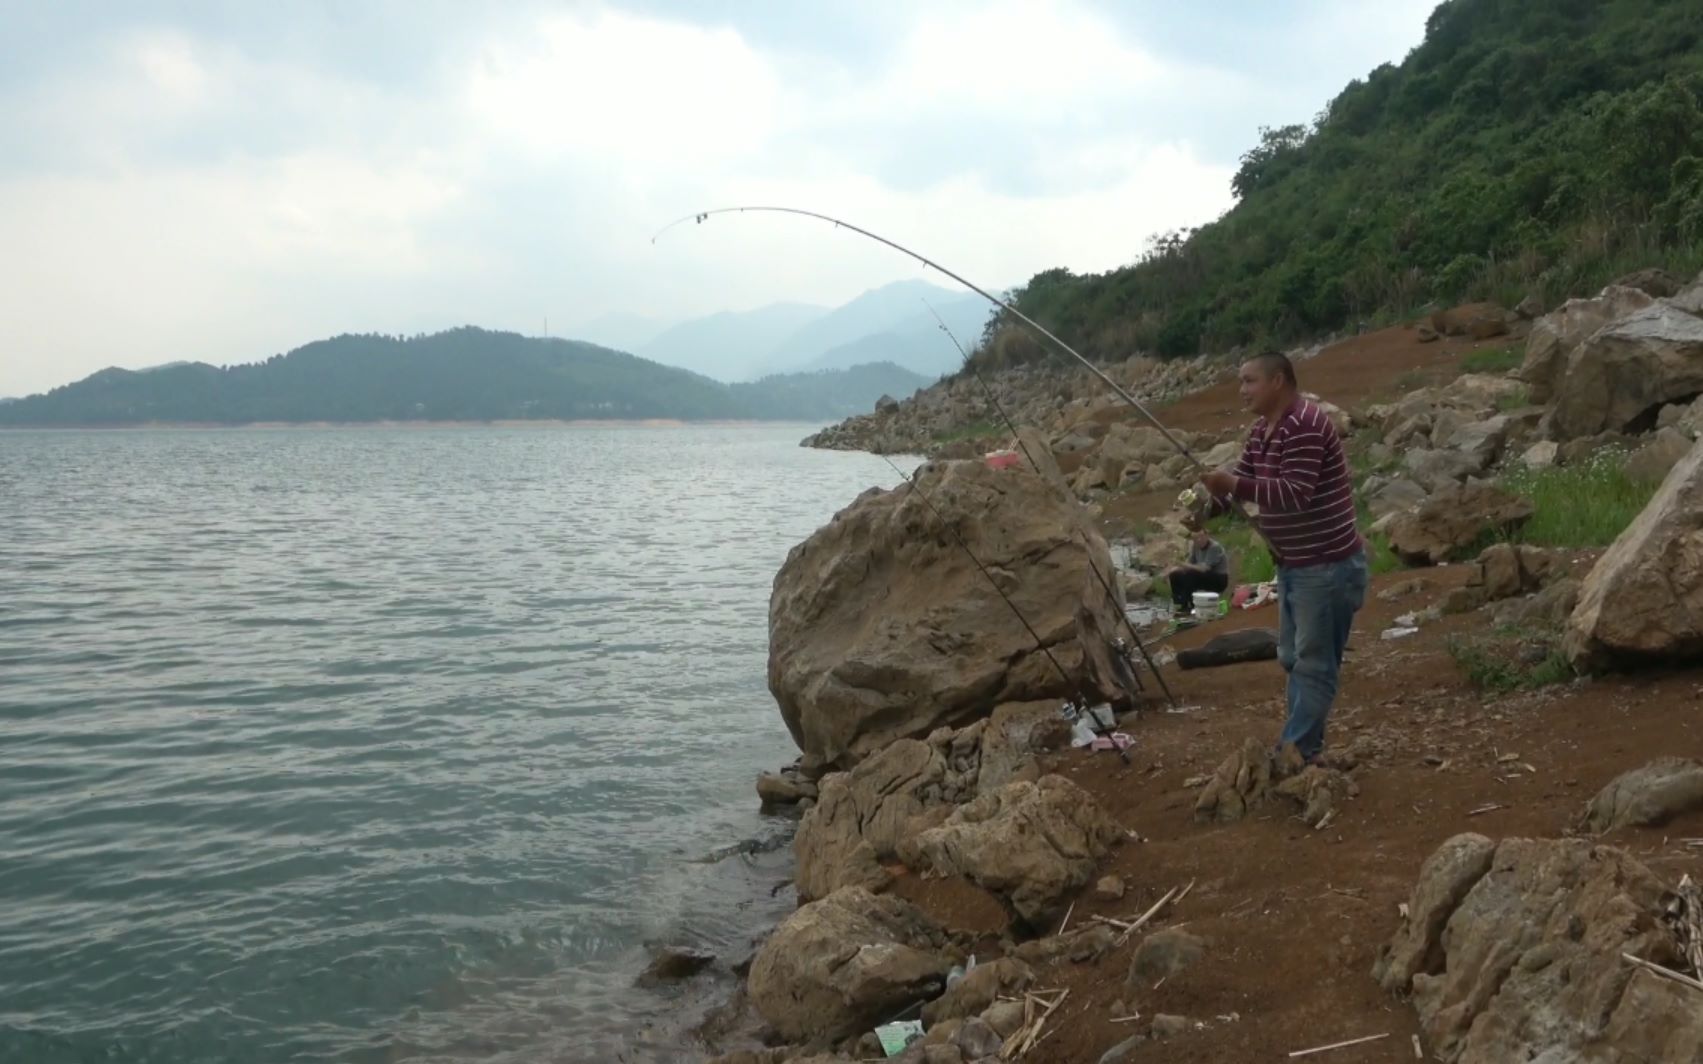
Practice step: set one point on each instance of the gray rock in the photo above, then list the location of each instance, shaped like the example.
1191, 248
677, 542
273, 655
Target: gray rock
1643, 600
674, 963
1436, 470
1480, 441
1656, 459
1125, 1052
1636, 364
1444, 880
1650, 795
838, 966
1162, 955
977, 1039
784, 788
1525, 964
1453, 519
1541, 455
1395, 496
1004, 1017
1031, 844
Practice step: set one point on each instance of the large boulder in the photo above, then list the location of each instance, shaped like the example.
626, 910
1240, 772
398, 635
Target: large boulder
1031, 844
1556, 335
1626, 371
882, 627
1652, 281
1515, 954
838, 966
1480, 321
1656, 459
1643, 601
1649, 795
1453, 519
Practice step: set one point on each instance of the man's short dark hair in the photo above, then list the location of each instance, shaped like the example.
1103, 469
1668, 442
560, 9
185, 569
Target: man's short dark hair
1273, 362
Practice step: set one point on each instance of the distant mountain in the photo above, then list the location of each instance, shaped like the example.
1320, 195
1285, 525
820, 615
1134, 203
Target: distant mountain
465, 374
731, 345
828, 393
887, 324
619, 332
918, 344
896, 307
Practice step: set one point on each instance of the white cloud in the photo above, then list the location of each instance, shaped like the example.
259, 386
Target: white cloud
606, 85
194, 197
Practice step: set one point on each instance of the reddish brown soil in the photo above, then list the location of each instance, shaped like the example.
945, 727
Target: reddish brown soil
1293, 916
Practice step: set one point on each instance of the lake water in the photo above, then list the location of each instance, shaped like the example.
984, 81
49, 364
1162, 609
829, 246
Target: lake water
383, 745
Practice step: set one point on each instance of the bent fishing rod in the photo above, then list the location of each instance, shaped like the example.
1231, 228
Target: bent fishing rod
1011, 425
1069, 684
1040, 330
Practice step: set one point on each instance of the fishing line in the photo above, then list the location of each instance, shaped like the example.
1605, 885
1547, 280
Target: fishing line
701, 216
993, 400
1069, 684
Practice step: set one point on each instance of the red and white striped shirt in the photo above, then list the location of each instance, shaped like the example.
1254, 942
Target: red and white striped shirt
1299, 479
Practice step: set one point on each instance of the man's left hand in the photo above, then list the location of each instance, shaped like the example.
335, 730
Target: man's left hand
1219, 483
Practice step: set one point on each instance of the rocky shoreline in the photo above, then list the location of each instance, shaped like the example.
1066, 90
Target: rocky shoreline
959, 864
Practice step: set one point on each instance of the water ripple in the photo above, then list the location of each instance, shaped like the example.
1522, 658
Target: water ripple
382, 746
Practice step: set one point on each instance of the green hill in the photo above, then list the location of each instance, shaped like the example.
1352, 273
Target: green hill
1526, 146
465, 374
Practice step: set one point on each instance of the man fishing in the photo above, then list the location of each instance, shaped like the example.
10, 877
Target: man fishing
1294, 469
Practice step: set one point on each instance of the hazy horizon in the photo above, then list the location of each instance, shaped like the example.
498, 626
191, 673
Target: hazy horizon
215, 182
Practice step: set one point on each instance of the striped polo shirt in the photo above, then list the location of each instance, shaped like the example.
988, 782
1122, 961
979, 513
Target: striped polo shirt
1299, 480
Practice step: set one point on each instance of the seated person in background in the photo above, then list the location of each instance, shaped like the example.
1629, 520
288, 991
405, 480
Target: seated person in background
1208, 569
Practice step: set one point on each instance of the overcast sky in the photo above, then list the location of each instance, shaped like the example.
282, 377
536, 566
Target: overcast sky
222, 181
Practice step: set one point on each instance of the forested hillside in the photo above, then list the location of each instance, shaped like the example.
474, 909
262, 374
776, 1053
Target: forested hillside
462, 374
1526, 146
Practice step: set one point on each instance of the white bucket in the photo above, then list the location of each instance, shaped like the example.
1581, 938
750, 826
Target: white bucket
1205, 604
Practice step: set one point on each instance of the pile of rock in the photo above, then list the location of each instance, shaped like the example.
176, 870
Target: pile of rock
1062, 400
1513, 951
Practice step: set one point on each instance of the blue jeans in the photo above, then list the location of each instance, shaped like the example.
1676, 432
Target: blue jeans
1316, 607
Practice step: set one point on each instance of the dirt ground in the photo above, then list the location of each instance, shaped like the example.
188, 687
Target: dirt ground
1293, 917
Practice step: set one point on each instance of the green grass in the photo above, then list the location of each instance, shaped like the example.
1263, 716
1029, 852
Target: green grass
1491, 664
1583, 505
1250, 561
1514, 401
974, 431
1379, 557
1493, 360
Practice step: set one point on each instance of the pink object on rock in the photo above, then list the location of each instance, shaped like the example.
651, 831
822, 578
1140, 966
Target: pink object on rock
1001, 459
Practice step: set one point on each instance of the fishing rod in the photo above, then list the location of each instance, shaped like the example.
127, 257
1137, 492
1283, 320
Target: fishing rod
701, 216
977, 562
1011, 424
837, 223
